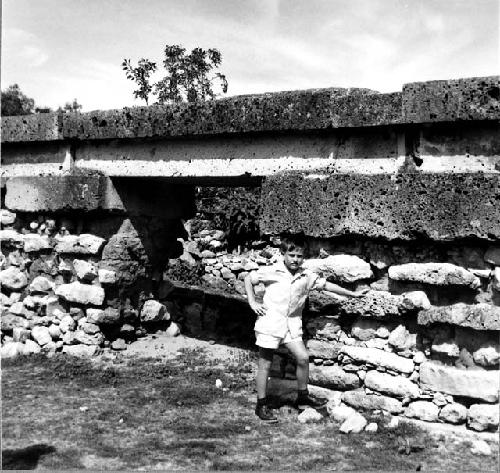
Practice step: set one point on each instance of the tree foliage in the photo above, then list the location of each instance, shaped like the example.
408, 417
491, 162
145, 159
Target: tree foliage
190, 77
14, 102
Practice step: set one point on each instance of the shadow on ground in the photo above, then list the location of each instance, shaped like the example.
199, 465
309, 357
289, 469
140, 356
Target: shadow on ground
25, 458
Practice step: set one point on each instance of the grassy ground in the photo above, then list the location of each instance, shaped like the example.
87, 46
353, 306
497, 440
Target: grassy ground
64, 413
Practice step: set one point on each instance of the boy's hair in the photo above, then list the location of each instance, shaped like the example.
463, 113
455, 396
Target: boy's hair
293, 242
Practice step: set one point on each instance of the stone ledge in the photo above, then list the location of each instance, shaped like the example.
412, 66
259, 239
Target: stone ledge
314, 109
406, 206
479, 317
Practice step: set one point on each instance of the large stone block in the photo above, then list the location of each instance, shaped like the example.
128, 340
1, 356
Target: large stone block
442, 274
406, 206
376, 357
359, 399
478, 316
84, 244
37, 127
483, 416
397, 386
81, 293
341, 268
332, 377
476, 384
323, 349
378, 304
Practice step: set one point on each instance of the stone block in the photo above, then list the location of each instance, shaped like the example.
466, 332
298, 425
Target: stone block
106, 276
332, 377
106, 316
487, 355
323, 349
86, 271
377, 357
478, 316
41, 335
80, 350
81, 293
397, 386
154, 311
13, 278
41, 284
361, 400
7, 217
365, 329
11, 238
84, 244
34, 242
423, 410
453, 413
341, 268
442, 274
475, 384
81, 337
483, 416
31, 347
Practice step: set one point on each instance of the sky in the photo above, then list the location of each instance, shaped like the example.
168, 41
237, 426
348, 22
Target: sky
58, 50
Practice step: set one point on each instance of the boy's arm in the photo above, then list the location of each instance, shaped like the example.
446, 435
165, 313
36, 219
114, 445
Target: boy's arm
329, 286
257, 307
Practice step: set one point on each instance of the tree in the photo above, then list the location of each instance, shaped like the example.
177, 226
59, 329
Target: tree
189, 77
70, 107
14, 102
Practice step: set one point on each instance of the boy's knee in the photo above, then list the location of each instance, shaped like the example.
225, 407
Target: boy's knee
302, 359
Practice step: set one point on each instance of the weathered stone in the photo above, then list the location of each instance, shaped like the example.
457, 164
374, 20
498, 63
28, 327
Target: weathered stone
378, 343
487, 355
81, 337
118, 344
372, 427
353, 424
18, 309
11, 321
323, 349
446, 347
12, 349
374, 304
415, 300
54, 331
439, 399
496, 279
67, 323
341, 268
442, 274
11, 237
106, 316
332, 377
324, 328
340, 413
41, 335
41, 284
173, 330
31, 346
483, 416
476, 384
153, 311
81, 293
7, 217
85, 270
20, 334
397, 386
359, 399
423, 410
379, 358
492, 255
13, 278
34, 242
88, 328
365, 329
80, 350
480, 447
478, 316
107, 276
453, 413
83, 244
401, 339
309, 415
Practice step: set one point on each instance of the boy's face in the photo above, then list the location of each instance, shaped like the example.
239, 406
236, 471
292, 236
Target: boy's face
293, 259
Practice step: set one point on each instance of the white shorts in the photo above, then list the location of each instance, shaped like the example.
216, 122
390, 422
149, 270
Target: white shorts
264, 340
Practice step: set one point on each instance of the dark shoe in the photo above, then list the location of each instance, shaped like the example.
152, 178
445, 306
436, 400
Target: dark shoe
265, 413
310, 400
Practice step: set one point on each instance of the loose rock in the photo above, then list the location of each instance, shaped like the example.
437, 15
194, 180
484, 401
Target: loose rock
81, 293
309, 415
353, 424
153, 311
483, 416
453, 413
423, 410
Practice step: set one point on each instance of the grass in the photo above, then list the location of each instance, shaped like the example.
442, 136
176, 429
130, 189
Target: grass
66, 413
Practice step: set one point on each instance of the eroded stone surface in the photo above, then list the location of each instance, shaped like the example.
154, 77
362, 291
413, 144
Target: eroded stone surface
333, 377
476, 384
83, 244
397, 386
442, 274
323, 349
423, 410
453, 413
13, 278
154, 311
359, 399
81, 293
377, 357
483, 416
478, 316
341, 268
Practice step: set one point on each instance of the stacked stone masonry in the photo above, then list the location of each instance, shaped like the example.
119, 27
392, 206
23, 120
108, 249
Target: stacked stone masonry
397, 193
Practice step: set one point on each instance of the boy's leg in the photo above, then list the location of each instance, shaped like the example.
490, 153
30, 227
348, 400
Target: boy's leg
263, 368
304, 399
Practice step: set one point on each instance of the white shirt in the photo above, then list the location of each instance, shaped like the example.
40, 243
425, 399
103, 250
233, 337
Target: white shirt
284, 298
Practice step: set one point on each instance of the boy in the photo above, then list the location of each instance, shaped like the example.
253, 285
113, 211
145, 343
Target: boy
279, 318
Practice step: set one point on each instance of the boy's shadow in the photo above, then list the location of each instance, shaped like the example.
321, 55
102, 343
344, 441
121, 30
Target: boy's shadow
25, 458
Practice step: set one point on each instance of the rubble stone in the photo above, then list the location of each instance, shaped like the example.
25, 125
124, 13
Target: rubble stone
353, 424
397, 386
359, 399
106, 276
423, 410
81, 293
377, 357
106, 316
309, 415
487, 355
85, 270
478, 316
453, 413
341, 268
13, 279
41, 284
332, 377
154, 311
365, 329
483, 417
41, 335
80, 350
83, 244
31, 347
34, 242
323, 349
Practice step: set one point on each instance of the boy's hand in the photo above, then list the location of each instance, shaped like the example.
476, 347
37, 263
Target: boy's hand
258, 308
360, 293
